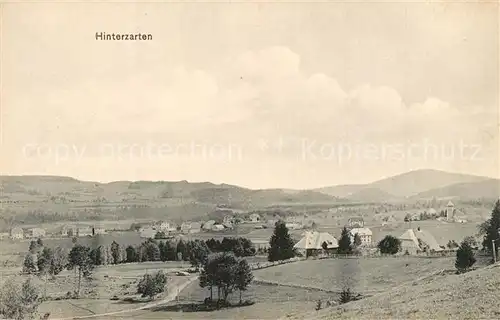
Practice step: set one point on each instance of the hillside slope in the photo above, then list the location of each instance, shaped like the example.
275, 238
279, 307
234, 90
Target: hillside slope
406, 184
483, 189
33, 187
33, 199
414, 182
473, 295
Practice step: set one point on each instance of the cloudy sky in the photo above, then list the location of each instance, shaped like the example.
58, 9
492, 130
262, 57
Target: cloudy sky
260, 95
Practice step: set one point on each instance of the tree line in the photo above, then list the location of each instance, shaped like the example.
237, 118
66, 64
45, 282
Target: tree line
48, 262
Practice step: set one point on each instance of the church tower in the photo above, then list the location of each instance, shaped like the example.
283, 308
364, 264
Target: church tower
450, 208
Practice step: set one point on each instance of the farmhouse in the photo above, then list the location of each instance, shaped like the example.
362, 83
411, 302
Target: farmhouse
254, 217
68, 231
416, 241
409, 242
4, 235
164, 226
147, 232
228, 225
460, 219
185, 227
271, 223
261, 244
35, 233
217, 227
195, 227
228, 221
293, 225
16, 233
84, 231
357, 222
208, 225
98, 230
364, 233
459, 216
314, 242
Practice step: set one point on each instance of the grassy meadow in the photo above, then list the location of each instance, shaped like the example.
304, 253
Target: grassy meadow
271, 302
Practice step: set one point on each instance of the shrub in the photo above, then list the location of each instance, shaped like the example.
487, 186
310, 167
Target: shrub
151, 285
465, 257
346, 295
389, 245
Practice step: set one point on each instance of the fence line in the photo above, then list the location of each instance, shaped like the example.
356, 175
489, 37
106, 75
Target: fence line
378, 255
308, 287
262, 265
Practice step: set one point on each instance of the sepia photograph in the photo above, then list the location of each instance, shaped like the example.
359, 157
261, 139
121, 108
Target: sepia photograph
249, 160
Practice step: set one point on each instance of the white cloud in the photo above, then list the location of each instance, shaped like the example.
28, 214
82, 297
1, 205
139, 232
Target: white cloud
264, 93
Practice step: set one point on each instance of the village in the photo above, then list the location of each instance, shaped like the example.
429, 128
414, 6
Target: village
309, 234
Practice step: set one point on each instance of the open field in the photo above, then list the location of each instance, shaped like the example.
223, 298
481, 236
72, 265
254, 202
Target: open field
473, 295
107, 282
273, 302
364, 275
103, 303
270, 303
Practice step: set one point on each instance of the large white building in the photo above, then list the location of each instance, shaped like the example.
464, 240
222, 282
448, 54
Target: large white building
98, 230
164, 226
34, 233
365, 235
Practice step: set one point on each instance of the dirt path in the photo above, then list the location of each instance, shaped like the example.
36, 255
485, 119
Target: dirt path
170, 297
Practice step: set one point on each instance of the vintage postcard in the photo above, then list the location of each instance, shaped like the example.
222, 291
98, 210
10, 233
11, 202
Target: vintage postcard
249, 160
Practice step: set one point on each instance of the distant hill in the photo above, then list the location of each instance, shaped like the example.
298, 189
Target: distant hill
404, 185
489, 189
414, 182
33, 199
371, 195
182, 200
342, 190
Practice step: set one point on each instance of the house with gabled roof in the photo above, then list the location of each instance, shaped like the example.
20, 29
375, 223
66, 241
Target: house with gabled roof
255, 217
417, 241
16, 233
313, 242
